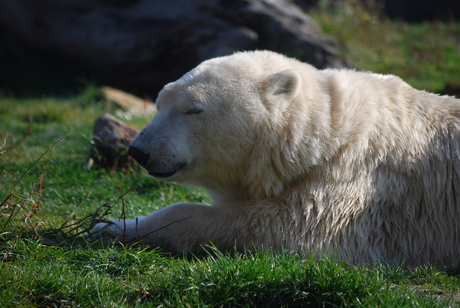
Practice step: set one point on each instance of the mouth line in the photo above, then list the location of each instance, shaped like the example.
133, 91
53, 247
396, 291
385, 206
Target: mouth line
165, 175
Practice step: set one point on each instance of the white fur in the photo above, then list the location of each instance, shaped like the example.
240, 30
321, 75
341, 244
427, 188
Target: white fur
333, 161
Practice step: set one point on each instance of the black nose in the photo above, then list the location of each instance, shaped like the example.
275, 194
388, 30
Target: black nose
138, 155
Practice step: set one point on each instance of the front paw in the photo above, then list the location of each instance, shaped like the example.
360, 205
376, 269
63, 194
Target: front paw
110, 232
117, 231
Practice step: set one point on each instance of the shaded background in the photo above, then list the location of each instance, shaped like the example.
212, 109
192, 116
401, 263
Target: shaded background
50, 46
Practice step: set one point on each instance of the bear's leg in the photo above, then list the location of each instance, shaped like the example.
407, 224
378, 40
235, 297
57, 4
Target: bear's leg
182, 227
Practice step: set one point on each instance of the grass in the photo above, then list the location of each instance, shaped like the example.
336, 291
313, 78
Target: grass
48, 198
425, 54
139, 278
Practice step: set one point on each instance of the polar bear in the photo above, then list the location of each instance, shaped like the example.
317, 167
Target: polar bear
324, 162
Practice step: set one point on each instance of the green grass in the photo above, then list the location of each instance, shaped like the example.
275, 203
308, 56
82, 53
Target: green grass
138, 278
68, 186
46, 188
426, 55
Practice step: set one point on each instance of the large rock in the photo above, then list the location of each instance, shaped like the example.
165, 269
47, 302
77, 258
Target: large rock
146, 43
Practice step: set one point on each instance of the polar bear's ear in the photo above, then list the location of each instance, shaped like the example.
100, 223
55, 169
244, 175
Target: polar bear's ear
285, 83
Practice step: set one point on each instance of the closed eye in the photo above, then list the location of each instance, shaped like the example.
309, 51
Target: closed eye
194, 111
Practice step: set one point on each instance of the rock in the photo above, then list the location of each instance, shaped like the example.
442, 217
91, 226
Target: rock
144, 44
110, 143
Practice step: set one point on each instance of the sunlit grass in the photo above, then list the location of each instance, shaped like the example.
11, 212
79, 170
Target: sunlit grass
426, 55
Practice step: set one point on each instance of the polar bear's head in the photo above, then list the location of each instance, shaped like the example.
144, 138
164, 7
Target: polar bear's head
221, 122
